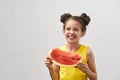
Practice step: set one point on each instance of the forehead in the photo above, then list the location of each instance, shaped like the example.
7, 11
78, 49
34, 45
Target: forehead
72, 23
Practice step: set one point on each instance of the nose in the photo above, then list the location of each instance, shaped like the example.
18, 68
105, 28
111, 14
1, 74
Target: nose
71, 31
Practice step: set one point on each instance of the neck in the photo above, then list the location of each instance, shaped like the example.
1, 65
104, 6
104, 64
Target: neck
72, 47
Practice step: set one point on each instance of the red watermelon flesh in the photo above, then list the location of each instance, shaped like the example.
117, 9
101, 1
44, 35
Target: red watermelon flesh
65, 58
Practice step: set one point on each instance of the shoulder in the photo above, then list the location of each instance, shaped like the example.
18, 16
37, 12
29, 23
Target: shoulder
91, 60
90, 54
83, 46
89, 51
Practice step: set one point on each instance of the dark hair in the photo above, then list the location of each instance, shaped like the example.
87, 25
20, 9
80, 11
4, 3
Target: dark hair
83, 19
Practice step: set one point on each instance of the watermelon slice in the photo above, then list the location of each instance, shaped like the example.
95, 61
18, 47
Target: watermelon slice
63, 58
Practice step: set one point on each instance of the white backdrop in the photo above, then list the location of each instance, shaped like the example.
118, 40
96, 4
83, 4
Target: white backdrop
30, 28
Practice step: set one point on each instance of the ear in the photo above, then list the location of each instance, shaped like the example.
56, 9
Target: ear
83, 33
63, 30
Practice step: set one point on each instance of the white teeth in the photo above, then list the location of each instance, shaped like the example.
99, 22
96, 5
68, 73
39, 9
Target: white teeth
71, 37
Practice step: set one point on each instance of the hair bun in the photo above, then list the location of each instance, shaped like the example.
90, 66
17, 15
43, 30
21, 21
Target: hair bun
86, 19
65, 16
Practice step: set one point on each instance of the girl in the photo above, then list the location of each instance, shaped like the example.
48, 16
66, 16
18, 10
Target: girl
74, 27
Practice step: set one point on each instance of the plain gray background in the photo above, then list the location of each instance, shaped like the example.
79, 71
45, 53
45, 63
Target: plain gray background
30, 28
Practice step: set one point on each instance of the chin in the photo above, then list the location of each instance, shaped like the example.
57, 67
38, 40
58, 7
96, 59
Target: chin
71, 42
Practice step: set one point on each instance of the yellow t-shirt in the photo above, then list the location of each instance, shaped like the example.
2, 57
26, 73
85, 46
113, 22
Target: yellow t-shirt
72, 73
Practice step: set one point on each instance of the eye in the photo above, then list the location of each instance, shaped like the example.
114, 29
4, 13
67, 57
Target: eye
76, 29
68, 29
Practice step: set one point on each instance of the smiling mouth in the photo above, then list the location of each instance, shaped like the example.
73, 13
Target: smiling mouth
71, 37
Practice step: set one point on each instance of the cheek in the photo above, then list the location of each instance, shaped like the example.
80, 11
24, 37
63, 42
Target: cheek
66, 32
79, 35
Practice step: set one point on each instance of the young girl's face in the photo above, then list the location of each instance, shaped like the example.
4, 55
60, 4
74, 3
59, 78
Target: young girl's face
72, 31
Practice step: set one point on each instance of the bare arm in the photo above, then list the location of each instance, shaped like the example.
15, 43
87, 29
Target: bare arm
91, 73
57, 69
89, 68
53, 70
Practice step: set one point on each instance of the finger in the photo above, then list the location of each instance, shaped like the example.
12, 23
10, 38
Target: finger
48, 61
82, 64
48, 58
76, 66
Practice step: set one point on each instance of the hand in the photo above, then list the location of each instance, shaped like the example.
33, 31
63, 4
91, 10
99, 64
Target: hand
83, 67
48, 62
